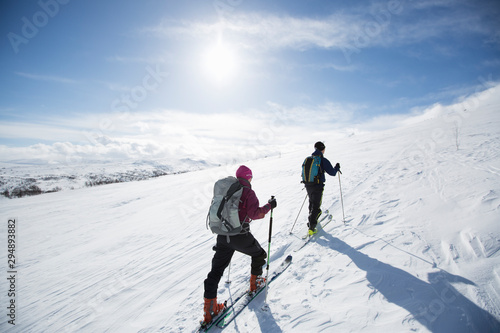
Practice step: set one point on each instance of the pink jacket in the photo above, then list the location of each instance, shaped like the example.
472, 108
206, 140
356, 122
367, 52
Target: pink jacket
249, 208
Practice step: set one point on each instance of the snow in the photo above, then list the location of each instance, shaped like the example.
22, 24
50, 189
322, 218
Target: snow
419, 250
22, 178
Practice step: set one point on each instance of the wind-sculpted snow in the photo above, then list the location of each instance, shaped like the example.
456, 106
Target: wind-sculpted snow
419, 251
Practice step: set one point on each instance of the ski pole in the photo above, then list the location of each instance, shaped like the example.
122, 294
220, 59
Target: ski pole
298, 213
229, 274
341, 199
269, 250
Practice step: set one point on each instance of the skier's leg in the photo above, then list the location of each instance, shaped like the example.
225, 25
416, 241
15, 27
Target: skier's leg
258, 262
221, 259
316, 197
247, 244
310, 195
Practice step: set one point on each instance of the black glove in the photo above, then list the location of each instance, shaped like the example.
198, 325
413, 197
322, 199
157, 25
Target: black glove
273, 203
337, 166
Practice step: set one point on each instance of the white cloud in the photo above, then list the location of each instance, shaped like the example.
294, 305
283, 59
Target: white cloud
35, 131
49, 78
217, 138
165, 134
267, 31
379, 24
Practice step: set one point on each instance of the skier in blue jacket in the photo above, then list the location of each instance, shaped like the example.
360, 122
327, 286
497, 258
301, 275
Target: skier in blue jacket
315, 190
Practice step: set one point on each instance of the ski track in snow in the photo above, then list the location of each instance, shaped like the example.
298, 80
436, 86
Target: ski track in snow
419, 251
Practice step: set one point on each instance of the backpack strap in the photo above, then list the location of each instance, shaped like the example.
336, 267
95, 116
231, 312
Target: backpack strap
232, 190
321, 164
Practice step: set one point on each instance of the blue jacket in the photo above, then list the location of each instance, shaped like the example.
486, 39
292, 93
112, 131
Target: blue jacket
326, 166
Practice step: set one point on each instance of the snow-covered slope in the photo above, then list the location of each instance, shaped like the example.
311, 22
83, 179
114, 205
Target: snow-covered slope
420, 250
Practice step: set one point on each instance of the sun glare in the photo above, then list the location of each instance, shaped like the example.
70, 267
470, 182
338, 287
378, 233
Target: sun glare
219, 63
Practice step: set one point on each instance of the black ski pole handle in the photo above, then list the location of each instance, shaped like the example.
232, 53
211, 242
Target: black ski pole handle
271, 222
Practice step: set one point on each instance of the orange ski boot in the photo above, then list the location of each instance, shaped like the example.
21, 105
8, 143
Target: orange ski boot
256, 282
211, 309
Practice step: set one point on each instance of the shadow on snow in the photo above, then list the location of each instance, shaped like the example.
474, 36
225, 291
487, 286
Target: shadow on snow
435, 304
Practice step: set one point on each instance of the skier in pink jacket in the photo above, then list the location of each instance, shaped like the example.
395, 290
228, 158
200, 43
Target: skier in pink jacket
244, 242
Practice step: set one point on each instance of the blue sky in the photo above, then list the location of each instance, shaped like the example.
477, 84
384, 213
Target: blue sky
152, 79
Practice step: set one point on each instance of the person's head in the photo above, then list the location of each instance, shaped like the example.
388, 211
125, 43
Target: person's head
244, 172
320, 146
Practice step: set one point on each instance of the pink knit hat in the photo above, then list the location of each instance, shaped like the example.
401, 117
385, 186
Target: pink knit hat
244, 172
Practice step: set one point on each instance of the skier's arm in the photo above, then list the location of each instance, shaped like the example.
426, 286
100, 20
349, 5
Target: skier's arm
329, 169
253, 210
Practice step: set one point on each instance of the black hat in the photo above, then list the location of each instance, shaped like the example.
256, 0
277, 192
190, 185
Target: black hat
319, 146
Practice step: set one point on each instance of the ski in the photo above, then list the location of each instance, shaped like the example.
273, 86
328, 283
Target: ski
327, 217
243, 300
322, 223
330, 219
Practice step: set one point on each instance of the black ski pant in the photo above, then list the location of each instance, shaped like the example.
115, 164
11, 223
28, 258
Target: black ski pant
315, 194
224, 250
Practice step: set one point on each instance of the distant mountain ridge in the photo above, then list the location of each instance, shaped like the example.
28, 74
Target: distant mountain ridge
19, 180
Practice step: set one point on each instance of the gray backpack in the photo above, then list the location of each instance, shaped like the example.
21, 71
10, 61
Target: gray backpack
223, 218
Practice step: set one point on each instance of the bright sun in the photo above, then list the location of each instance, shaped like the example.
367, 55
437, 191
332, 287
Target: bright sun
219, 63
